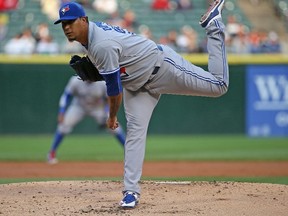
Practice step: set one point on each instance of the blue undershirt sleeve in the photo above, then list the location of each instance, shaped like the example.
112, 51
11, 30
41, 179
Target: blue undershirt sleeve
64, 101
113, 83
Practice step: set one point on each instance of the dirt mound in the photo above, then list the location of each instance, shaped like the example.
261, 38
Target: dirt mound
158, 198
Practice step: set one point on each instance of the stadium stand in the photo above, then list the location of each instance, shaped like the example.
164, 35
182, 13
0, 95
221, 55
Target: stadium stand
29, 14
281, 7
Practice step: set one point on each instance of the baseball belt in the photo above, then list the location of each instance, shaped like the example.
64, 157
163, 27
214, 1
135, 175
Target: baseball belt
156, 69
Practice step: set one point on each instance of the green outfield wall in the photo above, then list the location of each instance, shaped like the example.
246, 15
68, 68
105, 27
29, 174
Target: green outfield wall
30, 88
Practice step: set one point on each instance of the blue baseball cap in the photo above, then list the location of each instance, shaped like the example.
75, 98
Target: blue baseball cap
70, 11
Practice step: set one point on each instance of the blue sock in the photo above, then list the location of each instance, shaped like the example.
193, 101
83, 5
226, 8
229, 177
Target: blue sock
121, 137
57, 140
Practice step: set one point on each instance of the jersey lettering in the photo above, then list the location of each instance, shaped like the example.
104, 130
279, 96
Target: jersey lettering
107, 27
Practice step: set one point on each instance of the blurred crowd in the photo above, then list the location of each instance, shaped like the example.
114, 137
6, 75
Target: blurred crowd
39, 42
239, 38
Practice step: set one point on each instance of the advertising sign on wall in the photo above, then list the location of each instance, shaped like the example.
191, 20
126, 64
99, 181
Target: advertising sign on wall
267, 100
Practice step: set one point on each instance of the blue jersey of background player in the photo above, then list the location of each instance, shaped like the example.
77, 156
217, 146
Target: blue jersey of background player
81, 99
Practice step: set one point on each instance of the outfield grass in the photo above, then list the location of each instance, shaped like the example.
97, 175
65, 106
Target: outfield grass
159, 148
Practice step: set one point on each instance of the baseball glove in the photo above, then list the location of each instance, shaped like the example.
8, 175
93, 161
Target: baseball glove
85, 69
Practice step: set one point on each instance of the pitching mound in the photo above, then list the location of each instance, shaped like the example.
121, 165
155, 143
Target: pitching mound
158, 198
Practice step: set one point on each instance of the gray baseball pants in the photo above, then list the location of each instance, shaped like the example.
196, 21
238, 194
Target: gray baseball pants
175, 76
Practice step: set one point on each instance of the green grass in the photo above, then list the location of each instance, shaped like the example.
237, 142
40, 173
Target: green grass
159, 148
216, 148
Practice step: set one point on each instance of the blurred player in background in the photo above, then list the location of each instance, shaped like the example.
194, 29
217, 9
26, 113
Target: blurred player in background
81, 99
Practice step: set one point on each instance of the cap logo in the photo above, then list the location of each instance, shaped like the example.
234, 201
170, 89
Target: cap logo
65, 9
69, 11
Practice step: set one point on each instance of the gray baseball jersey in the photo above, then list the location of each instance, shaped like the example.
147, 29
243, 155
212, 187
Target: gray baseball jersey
112, 48
88, 95
89, 98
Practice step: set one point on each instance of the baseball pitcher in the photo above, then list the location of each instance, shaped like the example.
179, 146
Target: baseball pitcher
140, 71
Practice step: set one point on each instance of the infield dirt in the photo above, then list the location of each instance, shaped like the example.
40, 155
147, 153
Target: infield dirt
73, 198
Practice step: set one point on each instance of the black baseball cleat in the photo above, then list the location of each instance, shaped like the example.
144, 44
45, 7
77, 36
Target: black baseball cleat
213, 13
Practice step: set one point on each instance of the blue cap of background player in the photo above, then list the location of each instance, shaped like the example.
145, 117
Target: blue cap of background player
70, 11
